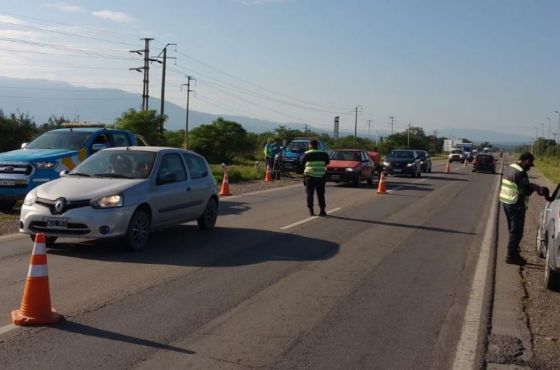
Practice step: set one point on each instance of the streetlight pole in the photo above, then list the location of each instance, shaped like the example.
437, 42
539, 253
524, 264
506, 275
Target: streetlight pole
536, 140
557, 149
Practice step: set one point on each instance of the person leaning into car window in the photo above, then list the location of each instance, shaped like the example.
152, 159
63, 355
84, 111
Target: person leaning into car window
315, 162
514, 195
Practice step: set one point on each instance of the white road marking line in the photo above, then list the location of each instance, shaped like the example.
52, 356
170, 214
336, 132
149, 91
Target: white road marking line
395, 188
259, 192
7, 328
465, 353
307, 219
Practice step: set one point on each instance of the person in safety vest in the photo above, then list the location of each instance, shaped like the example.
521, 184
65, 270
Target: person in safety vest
269, 152
315, 162
514, 195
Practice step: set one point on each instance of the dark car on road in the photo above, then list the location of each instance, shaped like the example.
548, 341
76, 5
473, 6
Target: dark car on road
425, 160
402, 161
484, 162
350, 165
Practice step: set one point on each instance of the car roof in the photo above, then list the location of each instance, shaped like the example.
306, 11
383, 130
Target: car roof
84, 129
347, 150
155, 149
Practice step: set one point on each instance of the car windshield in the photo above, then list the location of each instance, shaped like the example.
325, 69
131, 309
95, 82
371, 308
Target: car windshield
119, 164
401, 154
346, 155
422, 155
72, 140
298, 146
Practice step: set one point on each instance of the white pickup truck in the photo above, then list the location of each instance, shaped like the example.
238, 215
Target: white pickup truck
456, 155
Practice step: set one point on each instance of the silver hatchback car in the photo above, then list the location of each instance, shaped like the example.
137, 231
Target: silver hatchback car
548, 240
125, 193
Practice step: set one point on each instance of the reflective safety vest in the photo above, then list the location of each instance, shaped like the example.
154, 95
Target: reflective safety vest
268, 151
509, 192
314, 168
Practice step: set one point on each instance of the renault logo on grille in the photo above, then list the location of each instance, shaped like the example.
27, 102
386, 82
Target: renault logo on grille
59, 204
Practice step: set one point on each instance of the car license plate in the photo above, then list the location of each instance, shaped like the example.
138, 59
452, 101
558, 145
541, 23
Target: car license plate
7, 182
56, 222
335, 177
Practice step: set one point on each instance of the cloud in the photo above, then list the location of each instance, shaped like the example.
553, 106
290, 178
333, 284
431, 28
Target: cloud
8, 19
114, 16
65, 7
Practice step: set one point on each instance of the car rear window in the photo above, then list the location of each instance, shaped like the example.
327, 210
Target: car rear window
484, 158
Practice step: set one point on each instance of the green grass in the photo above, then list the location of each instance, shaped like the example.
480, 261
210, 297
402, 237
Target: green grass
238, 173
549, 167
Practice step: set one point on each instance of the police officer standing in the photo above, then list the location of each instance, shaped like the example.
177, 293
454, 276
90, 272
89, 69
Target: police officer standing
514, 194
315, 162
269, 154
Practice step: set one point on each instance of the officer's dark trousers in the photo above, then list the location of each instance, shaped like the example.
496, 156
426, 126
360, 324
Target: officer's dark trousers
515, 216
313, 184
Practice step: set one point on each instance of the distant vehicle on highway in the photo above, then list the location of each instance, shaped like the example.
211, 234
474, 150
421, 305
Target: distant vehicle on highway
292, 153
548, 241
124, 193
350, 165
402, 161
425, 160
456, 155
484, 162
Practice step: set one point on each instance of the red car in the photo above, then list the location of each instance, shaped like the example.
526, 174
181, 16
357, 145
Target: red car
350, 165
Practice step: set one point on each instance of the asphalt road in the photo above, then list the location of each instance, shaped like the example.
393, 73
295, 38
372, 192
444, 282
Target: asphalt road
381, 283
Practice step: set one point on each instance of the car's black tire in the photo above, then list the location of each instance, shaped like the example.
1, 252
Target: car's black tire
49, 240
7, 205
551, 278
138, 231
419, 173
207, 219
430, 169
370, 179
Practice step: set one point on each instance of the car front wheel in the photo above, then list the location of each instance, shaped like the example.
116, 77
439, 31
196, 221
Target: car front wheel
138, 231
49, 240
207, 219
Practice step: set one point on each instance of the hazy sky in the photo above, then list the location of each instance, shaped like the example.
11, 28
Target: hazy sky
484, 64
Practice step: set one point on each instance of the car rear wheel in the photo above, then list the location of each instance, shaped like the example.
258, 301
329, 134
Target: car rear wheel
551, 277
540, 243
49, 240
207, 220
138, 231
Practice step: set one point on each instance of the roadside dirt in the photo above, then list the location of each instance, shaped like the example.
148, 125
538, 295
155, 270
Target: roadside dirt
9, 221
542, 306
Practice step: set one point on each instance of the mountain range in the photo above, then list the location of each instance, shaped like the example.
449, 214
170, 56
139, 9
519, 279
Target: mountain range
43, 98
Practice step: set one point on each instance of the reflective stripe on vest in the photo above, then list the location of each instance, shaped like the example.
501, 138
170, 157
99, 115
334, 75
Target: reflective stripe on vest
509, 192
314, 168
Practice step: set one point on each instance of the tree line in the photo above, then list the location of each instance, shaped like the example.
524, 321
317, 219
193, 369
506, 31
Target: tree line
220, 141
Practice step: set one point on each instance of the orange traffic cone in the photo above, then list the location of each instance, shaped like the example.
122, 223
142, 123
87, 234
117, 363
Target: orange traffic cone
268, 175
447, 169
36, 303
224, 192
381, 186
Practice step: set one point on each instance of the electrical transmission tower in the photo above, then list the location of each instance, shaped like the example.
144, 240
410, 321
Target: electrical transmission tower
146, 70
188, 85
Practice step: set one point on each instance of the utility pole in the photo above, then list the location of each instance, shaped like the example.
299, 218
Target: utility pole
392, 118
370, 122
162, 99
146, 69
408, 135
356, 122
188, 85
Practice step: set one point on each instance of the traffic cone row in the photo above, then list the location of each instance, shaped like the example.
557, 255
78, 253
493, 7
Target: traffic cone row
36, 303
268, 175
224, 191
381, 187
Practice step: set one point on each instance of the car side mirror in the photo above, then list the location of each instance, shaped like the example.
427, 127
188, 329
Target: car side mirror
23, 145
167, 178
98, 147
63, 173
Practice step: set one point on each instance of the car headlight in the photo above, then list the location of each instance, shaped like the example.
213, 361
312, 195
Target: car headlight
30, 198
351, 169
409, 164
387, 164
421, 162
111, 201
45, 165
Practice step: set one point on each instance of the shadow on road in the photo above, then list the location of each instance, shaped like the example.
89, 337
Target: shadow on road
447, 178
233, 207
185, 245
74, 327
394, 224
